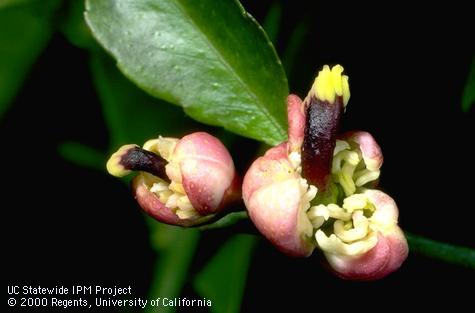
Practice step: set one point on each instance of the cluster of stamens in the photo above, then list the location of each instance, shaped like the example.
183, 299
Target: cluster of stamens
344, 226
171, 194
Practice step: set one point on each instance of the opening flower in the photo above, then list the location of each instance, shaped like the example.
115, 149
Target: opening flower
313, 190
181, 181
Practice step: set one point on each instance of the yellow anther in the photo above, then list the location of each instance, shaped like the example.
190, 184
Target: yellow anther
331, 83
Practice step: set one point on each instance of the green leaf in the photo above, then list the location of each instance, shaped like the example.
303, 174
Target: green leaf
131, 115
73, 25
468, 98
25, 28
8, 3
211, 57
224, 277
82, 155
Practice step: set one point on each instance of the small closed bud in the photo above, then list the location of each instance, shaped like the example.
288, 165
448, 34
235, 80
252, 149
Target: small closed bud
181, 181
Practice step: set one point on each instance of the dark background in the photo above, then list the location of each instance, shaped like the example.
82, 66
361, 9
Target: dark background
407, 65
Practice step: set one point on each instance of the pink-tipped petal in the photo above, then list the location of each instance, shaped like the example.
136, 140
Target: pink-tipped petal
388, 254
277, 217
261, 173
385, 218
386, 211
370, 149
368, 266
272, 194
399, 250
207, 171
296, 119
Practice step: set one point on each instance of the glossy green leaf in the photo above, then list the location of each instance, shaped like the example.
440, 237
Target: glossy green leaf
25, 28
224, 277
131, 115
468, 97
211, 57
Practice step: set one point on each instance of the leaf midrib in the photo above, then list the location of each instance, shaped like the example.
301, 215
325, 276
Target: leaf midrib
209, 43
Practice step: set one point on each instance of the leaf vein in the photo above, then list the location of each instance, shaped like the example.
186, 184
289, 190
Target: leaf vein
208, 42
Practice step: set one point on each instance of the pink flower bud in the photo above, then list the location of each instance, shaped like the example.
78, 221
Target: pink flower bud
274, 194
182, 182
311, 191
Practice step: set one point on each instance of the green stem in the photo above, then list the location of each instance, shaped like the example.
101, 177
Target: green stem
227, 221
171, 267
444, 252
453, 254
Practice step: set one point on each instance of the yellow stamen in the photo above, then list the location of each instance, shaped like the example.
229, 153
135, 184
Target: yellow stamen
331, 83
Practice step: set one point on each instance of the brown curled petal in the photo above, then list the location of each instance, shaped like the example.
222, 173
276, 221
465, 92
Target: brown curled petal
151, 205
296, 120
370, 149
272, 193
207, 172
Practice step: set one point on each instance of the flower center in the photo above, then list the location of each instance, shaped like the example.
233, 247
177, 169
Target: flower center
345, 229
171, 194
349, 169
345, 225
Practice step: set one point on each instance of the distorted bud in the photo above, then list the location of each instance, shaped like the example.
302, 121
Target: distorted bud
311, 191
181, 181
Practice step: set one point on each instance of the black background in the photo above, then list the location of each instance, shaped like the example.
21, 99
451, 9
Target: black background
407, 66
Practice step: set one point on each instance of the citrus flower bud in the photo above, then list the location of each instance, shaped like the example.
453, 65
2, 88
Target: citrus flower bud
277, 198
312, 190
181, 181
